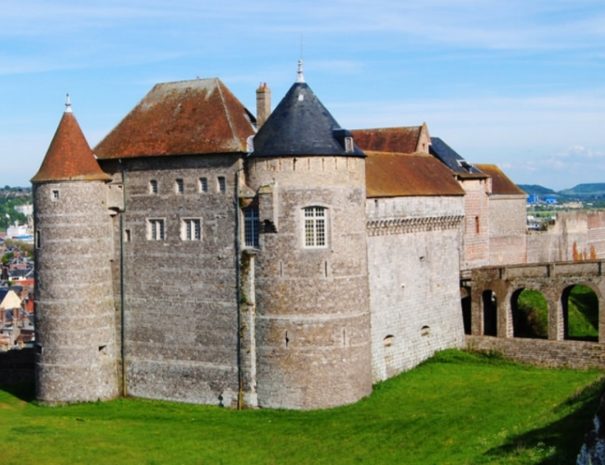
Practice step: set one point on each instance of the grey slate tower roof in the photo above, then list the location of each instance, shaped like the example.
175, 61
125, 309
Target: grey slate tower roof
301, 125
452, 159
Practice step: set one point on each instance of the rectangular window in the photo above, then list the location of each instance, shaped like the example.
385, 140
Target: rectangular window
155, 230
203, 184
315, 227
191, 229
251, 226
179, 186
55, 195
153, 186
477, 225
222, 184
127, 235
38, 240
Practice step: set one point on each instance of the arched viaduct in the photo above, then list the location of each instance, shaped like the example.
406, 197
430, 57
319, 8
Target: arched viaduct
488, 303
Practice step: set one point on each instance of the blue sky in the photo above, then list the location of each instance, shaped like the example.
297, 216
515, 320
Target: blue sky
516, 83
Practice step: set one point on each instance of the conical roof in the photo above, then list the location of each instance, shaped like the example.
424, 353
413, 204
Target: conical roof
69, 157
301, 125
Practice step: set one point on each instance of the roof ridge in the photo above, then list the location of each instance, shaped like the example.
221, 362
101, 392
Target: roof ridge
225, 109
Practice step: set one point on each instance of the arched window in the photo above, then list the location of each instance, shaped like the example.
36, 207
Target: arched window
315, 227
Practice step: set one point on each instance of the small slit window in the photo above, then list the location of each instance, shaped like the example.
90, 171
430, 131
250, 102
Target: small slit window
38, 239
221, 184
203, 185
55, 195
153, 186
314, 227
127, 235
179, 186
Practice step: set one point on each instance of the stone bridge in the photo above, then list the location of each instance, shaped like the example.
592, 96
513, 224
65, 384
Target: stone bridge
489, 297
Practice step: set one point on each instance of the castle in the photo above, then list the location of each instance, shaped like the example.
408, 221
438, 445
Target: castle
202, 254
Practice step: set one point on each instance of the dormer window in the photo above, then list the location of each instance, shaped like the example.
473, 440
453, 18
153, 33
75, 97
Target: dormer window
349, 146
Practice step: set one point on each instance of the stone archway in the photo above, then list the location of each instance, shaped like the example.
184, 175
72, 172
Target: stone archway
529, 309
580, 305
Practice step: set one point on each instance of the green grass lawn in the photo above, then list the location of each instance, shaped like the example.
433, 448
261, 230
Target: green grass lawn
583, 314
458, 408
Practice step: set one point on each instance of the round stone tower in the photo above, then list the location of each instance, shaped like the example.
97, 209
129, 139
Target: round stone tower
75, 316
312, 302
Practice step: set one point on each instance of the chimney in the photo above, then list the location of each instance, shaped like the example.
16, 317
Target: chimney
263, 104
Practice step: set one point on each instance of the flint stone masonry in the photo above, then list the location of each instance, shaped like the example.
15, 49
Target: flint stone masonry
413, 274
313, 322
180, 296
75, 312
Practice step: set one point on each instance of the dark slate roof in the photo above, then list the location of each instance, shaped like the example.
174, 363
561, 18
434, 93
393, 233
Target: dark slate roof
301, 125
201, 116
69, 157
452, 159
391, 174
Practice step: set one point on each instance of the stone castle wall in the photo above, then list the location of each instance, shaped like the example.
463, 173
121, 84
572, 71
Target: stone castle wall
507, 229
180, 296
75, 314
576, 235
475, 232
413, 255
312, 314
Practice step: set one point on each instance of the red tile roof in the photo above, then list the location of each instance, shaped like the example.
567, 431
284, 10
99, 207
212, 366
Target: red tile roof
400, 140
400, 174
501, 184
69, 157
179, 118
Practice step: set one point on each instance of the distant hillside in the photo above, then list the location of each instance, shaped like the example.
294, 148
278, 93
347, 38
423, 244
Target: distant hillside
588, 191
536, 189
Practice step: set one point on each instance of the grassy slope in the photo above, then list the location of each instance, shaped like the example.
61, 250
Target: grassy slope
456, 409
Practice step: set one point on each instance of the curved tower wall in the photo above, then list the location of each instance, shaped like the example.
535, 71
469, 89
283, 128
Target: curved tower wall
313, 322
75, 315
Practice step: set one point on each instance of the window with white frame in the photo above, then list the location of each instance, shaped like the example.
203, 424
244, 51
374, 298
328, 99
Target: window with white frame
153, 186
203, 186
314, 227
179, 186
251, 226
191, 229
156, 229
221, 184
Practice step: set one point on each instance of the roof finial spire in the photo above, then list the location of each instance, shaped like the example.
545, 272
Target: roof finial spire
68, 104
300, 77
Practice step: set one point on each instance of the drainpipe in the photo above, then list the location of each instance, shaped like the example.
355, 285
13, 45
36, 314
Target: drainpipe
122, 330
240, 374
